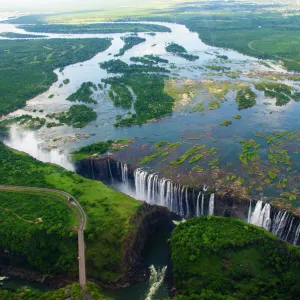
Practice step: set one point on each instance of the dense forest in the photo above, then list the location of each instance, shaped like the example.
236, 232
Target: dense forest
69, 292
180, 51
130, 42
14, 35
31, 63
84, 93
95, 28
147, 84
105, 238
78, 116
225, 258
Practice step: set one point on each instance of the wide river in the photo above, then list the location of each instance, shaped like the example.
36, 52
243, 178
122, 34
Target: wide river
188, 127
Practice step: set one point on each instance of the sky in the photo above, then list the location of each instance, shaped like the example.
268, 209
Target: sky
67, 5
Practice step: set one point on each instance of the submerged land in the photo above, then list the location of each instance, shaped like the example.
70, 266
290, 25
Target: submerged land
203, 95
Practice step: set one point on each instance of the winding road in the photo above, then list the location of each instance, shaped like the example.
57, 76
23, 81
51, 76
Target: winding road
81, 223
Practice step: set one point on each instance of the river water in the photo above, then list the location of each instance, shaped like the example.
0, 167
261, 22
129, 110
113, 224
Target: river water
54, 144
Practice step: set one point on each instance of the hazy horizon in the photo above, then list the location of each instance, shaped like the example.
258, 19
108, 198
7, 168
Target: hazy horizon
70, 5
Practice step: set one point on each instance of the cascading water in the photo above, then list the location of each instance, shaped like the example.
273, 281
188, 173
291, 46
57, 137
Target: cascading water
211, 205
155, 281
297, 236
26, 141
189, 203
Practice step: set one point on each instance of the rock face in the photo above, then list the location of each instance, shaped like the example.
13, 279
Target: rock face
188, 202
148, 219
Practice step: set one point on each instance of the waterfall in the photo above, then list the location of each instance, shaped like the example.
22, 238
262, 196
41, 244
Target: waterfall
198, 212
202, 205
110, 173
291, 225
211, 204
124, 174
249, 212
261, 215
28, 142
186, 203
297, 235
155, 281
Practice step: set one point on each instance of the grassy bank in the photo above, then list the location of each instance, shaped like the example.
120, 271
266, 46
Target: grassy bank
105, 238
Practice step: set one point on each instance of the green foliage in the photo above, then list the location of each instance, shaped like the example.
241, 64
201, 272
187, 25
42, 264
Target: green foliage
193, 151
149, 59
151, 100
195, 158
84, 93
95, 28
121, 96
26, 121
245, 98
249, 151
51, 96
36, 223
69, 292
106, 239
66, 81
78, 116
280, 91
296, 96
31, 63
14, 35
130, 42
214, 256
98, 148
118, 66
180, 51
237, 117
225, 123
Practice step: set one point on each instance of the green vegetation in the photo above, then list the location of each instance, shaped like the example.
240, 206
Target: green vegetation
245, 98
149, 59
249, 151
40, 218
195, 158
31, 63
296, 96
191, 152
130, 42
237, 117
78, 116
121, 96
151, 100
225, 123
66, 81
118, 66
99, 148
225, 258
51, 96
106, 239
95, 28
69, 292
14, 35
84, 93
217, 68
280, 91
180, 51
26, 121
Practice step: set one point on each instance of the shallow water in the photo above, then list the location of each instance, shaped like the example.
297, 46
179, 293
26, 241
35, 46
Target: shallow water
182, 125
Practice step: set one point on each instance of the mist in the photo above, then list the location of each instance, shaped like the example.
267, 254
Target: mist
44, 6
26, 141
